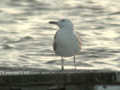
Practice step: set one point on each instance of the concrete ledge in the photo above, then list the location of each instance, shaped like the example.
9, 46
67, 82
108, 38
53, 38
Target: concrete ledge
78, 77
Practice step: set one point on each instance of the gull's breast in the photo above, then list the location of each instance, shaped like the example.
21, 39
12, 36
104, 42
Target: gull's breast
67, 44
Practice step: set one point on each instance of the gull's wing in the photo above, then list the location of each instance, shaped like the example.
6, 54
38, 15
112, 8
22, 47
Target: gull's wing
54, 42
78, 38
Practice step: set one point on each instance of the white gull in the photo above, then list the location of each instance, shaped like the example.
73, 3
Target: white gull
66, 42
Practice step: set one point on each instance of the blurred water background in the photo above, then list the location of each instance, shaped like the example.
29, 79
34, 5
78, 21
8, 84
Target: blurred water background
26, 37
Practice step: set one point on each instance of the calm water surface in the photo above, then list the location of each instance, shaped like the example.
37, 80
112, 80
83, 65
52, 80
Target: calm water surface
26, 37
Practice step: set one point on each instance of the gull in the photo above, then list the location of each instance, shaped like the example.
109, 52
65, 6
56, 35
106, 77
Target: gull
66, 41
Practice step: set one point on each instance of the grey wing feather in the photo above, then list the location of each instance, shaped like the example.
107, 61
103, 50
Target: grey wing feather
54, 43
78, 37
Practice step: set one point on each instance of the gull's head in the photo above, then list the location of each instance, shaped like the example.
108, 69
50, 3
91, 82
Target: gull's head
63, 23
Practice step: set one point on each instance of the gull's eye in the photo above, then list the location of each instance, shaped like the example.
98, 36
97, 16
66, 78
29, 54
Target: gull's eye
63, 20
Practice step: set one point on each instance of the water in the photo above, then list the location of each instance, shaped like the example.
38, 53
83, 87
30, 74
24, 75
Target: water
26, 36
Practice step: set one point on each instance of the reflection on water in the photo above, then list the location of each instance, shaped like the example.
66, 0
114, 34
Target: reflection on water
26, 37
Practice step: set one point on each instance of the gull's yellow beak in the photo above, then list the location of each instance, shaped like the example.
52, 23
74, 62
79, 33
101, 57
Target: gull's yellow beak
53, 22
